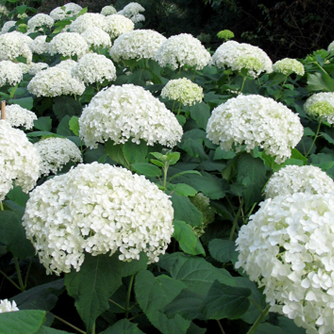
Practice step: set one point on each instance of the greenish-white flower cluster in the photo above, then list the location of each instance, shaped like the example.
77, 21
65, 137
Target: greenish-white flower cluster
108, 10
88, 20
117, 25
98, 209
288, 66
7, 306
321, 105
128, 112
183, 49
251, 121
96, 38
66, 11
38, 21
15, 44
137, 44
18, 116
10, 73
238, 56
287, 248
37, 67
133, 11
39, 45
6, 26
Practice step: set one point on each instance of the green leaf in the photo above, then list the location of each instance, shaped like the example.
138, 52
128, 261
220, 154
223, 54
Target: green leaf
319, 82
322, 160
63, 128
327, 137
66, 106
144, 168
187, 238
172, 158
48, 330
21, 322
200, 113
223, 250
224, 301
24, 102
74, 125
185, 172
99, 277
192, 143
222, 154
41, 134
18, 196
134, 152
115, 153
309, 132
123, 326
182, 189
153, 294
43, 123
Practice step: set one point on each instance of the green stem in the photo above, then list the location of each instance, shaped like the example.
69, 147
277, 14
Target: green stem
10, 280
165, 170
18, 272
315, 138
322, 69
120, 306
221, 327
259, 320
27, 274
1, 207
69, 324
128, 297
178, 112
235, 222
281, 89
92, 331
243, 84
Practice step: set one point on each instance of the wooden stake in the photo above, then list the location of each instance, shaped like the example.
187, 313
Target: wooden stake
3, 109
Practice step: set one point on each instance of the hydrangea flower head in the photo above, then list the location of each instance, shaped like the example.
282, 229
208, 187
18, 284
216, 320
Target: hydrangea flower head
287, 248
254, 120
37, 67
19, 160
288, 66
225, 34
108, 10
128, 112
88, 20
98, 209
18, 116
132, 9
39, 45
321, 105
7, 306
238, 56
117, 25
63, 12
93, 67
183, 49
96, 37
38, 21
137, 44
330, 48
183, 90
10, 73
67, 65
7, 25
15, 44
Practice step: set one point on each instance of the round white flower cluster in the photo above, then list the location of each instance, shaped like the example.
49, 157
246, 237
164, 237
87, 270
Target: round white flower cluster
67, 65
132, 11
55, 81
37, 67
321, 105
117, 25
10, 73
15, 44
68, 10
238, 56
108, 10
93, 67
38, 21
183, 90
287, 247
68, 44
254, 120
39, 45
288, 66
56, 153
292, 179
88, 20
128, 112
7, 306
97, 38
137, 44
137, 18
183, 49
330, 48
98, 209
25, 67
19, 160
18, 116
7, 25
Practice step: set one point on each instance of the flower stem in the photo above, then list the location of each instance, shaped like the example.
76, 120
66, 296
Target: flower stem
10, 280
69, 324
221, 327
18, 272
1, 207
120, 306
259, 320
315, 138
243, 84
128, 297
235, 222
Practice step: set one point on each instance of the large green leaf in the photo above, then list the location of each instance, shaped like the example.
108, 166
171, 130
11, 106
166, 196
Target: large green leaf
123, 326
134, 152
66, 106
153, 294
24, 102
200, 113
223, 250
115, 153
320, 82
18, 196
99, 277
147, 169
43, 123
192, 143
48, 330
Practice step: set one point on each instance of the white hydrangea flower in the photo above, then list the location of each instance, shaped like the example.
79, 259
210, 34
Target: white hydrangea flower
128, 112
321, 105
14, 44
132, 9
108, 10
10, 73
68, 10
287, 247
330, 48
137, 18
18, 116
7, 306
238, 56
93, 67
137, 44
98, 209
25, 67
7, 25
19, 160
183, 90
96, 37
67, 65
88, 20
288, 66
56, 153
55, 81
38, 21
40, 45
117, 25
292, 179
68, 44
183, 49
37, 67
254, 120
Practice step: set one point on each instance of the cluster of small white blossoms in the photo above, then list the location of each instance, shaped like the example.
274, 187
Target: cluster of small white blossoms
19, 160
15, 44
18, 116
132, 11
56, 153
88, 20
183, 49
66, 11
93, 67
292, 179
183, 90
238, 56
330, 48
39, 45
38, 21
254, 120
7, 306
288, 66
7, 25
68, 44
37, 67
25, 67
55, 81
108, 10
98, 209
67, 65
117, 25
137, 44
96, 38
321, 105
287, 248
128, 112
10, 73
